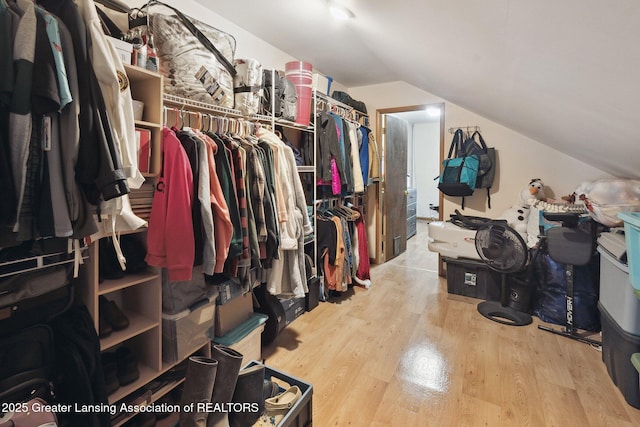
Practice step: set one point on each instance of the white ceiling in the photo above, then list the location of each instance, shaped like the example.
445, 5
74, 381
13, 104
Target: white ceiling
565, 73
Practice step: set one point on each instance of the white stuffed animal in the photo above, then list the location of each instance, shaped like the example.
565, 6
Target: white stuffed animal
517, 215
535, 191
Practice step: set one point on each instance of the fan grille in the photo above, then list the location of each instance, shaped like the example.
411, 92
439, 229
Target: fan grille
501, 248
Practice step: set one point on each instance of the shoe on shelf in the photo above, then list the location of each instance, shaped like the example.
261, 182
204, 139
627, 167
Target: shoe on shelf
112, 314
104, 328
128, 370
110, 372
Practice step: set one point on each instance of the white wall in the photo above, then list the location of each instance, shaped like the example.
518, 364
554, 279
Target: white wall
520, 158
426, 159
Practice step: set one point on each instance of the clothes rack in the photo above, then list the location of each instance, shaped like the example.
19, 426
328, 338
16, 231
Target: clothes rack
468, 129
324, 103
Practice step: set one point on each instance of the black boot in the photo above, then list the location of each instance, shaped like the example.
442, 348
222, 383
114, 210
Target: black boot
198, 386
249, 389
229, 363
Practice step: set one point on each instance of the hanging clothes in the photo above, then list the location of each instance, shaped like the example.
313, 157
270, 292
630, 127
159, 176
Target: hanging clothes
8, 208
190, 145
170, 239
223, 171
98, 166
374, 157
363, 140
327, 148
269, 250
287, 275
358, 181
114, 85
223, 228
363, 272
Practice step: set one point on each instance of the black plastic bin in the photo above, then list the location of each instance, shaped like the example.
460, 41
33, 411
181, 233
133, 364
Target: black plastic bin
472, 278
617, 348
301, 413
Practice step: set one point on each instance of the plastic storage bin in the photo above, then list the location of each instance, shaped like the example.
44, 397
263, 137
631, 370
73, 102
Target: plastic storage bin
617, 295
246, 338
632, 237
617, 348
472, 279
186, 331
300, 415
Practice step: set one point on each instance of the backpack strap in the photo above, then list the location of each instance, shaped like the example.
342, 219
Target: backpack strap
482, 143
454, 148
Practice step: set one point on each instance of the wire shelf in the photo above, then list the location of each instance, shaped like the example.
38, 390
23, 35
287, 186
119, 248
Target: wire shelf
185, 102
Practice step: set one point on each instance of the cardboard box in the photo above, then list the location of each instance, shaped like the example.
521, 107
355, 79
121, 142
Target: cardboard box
186, 331
321, 83
233, 313
123, 49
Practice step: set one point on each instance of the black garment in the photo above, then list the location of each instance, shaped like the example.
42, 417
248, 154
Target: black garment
45, 101
273, 235
327, 237
190, 145
8, 207
79, 211
306, 147
252, 199
348, 165
79, 379
99, 167
328, 147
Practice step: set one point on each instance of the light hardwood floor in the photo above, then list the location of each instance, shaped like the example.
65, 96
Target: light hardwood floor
405, 353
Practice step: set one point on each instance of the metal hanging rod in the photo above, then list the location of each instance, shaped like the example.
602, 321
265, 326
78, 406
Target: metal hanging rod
179, 103
467, 128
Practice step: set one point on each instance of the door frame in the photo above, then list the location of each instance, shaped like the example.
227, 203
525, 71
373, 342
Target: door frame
380, 136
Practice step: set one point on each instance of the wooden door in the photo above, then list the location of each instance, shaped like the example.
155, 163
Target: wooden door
395, 186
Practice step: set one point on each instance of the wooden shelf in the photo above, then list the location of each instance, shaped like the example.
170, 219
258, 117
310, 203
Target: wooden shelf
127, 281
138, 324
149, 125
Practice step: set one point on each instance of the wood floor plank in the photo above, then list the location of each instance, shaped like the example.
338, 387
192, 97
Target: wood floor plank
406, 353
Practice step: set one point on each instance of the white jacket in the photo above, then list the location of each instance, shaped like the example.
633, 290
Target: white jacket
114, 85
288, 276
116, 214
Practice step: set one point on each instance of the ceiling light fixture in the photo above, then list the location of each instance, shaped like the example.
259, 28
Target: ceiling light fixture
433, 111
340, 13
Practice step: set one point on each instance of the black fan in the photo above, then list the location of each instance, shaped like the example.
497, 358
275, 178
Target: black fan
503, 250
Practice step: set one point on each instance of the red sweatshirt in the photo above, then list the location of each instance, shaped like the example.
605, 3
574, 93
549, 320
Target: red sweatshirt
170, 241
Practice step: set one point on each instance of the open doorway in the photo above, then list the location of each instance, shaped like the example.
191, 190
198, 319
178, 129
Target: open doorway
412, 146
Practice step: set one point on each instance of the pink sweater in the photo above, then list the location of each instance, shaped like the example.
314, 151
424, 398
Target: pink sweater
170, 241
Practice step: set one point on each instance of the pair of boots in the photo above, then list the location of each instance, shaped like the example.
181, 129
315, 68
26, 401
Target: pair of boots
212, 383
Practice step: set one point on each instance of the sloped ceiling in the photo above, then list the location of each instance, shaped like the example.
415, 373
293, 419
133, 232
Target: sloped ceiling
564, 73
